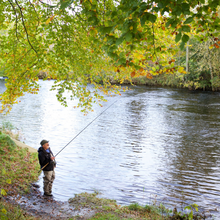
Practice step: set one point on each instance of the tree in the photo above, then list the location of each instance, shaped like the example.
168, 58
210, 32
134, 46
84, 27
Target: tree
204, 68
88, 41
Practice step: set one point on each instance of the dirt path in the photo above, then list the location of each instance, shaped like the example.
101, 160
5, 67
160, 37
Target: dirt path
22, 145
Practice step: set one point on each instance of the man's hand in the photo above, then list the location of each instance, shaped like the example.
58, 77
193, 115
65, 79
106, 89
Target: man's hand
52, 158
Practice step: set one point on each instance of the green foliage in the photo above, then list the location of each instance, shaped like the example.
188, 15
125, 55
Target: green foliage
77, 42
191, 207
7, 126
151, 209
2, 72
203, 65
136, 211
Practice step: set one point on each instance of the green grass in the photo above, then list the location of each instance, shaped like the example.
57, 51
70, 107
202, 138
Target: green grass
18, 169
104, 216
18, 165
13, 212
107, 209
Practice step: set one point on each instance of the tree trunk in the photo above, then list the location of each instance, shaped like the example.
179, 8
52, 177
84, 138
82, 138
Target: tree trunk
211, 72
210, 66
187, 57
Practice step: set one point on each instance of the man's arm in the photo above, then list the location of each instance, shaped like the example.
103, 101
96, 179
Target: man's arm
42, 159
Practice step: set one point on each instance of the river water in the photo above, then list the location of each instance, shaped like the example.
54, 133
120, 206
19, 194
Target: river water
153, 144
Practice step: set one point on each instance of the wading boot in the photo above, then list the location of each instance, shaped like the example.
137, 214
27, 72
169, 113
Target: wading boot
47, 194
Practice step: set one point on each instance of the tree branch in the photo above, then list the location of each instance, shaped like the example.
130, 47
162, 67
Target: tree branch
25, 29
48, 5
16, 21
154, 43
38, 21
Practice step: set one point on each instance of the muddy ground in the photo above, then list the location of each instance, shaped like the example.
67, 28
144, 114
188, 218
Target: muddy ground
45, 207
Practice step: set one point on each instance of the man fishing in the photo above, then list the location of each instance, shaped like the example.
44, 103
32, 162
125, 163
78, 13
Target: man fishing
47, 159
47, 163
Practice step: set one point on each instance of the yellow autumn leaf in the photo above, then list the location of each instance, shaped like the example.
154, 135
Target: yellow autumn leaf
3, 192
181, 69
49, 19
138, 56
4, 211
123, 68
8, 181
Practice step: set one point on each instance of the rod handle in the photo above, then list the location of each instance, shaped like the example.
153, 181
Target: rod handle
43, 167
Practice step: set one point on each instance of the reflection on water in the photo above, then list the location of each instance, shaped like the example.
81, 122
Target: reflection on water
152, 141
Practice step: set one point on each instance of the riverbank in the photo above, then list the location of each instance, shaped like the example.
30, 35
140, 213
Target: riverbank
164, 80
16, 178
22, 199
172, 81
91, 206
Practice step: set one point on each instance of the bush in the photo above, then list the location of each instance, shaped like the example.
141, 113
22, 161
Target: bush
7, 126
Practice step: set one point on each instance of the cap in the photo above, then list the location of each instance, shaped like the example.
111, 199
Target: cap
43, 142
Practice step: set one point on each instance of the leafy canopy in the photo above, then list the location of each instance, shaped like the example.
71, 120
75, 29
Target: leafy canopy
77, 42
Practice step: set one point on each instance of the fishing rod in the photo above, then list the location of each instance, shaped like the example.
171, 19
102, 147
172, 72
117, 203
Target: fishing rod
80, 132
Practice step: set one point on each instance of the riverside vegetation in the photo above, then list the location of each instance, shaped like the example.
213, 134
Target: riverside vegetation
16, 164
203, 70
19, 169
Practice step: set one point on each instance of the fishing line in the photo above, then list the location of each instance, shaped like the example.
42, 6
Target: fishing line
87, 126
81, 131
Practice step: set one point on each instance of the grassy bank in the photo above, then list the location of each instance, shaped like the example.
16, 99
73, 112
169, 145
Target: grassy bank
109, 209
13, 212
18, 169
106, 209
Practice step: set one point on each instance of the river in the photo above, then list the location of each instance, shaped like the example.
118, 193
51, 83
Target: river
153, 144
